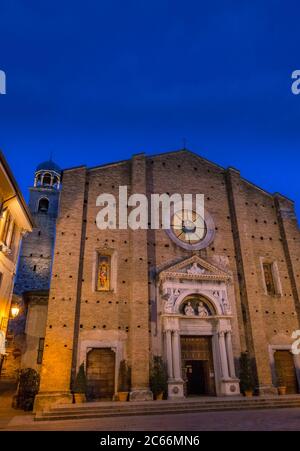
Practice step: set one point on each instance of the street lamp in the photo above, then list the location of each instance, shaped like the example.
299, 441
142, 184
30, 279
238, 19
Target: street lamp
15, 311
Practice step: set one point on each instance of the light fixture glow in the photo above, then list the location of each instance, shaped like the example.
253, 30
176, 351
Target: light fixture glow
15, 311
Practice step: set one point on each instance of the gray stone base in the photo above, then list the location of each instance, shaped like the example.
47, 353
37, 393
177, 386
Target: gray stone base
267, 390
230, 387
175, 389
45, 400
141, 395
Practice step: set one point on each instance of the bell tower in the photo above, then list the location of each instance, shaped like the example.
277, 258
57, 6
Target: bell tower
34, 271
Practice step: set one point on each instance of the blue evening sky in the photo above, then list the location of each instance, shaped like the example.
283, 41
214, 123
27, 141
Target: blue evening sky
95, 81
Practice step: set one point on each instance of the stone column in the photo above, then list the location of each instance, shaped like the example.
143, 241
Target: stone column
169, 353
176, 356
223, 355
228, 342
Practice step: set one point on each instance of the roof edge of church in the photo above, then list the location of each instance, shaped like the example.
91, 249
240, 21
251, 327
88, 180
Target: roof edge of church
116, 163
73, 168
187, 151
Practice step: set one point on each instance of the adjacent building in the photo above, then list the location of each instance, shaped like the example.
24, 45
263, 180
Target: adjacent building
26, 338
15, 222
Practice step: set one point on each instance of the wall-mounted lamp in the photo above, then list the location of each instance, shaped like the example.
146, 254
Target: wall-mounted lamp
15, 311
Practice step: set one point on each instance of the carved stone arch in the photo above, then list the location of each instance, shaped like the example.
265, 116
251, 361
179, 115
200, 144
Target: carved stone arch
217, 310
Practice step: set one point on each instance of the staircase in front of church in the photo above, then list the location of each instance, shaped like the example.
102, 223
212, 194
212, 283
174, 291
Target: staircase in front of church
116, 409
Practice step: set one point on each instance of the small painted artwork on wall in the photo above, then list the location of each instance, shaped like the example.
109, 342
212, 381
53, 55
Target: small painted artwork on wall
104, 270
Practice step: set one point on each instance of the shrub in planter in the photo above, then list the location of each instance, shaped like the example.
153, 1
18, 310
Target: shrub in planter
124, 381
158, 377
80, 386
281, 387
247, 381
28, 387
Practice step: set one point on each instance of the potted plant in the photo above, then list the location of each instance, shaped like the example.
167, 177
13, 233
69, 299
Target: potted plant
28, 387
80, 386
124, 381
246, 375
280, 385
158, 378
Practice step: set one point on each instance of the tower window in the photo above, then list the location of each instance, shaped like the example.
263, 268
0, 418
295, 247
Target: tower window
43, 205
56, 182
47, 179
38, 180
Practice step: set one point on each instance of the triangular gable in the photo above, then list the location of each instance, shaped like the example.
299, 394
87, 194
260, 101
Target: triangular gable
194, 268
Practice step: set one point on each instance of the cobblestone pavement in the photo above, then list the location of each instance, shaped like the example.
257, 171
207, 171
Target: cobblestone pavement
254, 420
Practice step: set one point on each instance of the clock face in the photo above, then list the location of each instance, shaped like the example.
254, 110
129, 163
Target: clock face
190, 230
188, 226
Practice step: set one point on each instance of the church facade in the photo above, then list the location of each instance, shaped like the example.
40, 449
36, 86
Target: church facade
131, 295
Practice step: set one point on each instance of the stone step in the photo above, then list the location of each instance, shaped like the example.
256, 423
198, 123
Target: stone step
203, 401
89, 412
159, 411
170, 404
166, 407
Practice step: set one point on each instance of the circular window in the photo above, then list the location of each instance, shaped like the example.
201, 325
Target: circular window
191, 231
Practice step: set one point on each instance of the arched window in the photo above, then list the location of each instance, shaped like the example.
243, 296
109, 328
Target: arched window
39, 180
47, 179
55, 182
43, 205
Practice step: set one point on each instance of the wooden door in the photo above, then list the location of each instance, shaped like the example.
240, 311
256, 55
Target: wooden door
198, 367
101, 374
285, 368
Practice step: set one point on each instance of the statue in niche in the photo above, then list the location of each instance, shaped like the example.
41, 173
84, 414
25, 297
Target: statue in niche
194, 270
202, 310
188, 310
